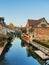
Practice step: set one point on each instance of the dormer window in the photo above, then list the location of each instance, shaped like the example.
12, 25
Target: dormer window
43, 25
43, 20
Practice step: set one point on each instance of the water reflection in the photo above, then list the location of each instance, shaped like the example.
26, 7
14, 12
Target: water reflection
30, 52
17, 55
6, 49
22, 44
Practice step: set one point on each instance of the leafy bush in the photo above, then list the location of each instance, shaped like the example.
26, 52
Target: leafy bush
42, 43
10, 36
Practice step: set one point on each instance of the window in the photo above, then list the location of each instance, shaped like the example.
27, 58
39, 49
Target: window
33, 35
43, 25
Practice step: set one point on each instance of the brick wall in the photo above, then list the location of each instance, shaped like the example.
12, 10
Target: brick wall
41, 34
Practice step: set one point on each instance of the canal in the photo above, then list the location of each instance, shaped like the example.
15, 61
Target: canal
19, 54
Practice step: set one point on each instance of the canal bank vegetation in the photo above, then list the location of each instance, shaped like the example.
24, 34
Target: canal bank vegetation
46, 44
2, 42
3, 38
10, 36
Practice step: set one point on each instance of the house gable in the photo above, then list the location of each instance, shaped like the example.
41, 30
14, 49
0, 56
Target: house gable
32, 24
38, 23
43, 23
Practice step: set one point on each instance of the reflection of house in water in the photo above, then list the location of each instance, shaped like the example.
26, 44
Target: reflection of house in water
29, 53
32, 53
22, 44
6, 49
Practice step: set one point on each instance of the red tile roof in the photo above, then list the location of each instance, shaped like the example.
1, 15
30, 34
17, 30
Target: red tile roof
32, 22
35, 22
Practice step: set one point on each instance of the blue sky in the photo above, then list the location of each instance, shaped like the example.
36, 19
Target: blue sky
19, 11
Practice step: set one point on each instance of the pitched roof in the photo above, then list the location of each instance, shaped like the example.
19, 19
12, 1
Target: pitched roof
1, 18
32, 22
35, 22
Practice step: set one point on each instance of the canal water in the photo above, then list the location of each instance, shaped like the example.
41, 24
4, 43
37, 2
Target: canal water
18, 54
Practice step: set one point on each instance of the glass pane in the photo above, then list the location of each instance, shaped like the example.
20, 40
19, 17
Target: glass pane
43, 25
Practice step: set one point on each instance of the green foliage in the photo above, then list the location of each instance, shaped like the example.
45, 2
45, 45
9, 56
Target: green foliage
46, 44
10, 36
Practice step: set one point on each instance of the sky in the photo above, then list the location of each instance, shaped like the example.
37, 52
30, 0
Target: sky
19, 11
